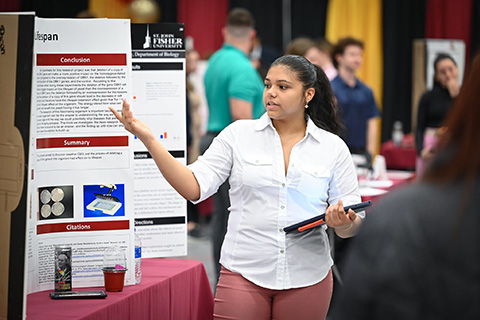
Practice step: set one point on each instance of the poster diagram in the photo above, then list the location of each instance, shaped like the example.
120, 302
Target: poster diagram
100, 202
56, 202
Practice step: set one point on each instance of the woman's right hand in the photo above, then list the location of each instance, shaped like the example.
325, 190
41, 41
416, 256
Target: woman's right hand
132, 124
453, 87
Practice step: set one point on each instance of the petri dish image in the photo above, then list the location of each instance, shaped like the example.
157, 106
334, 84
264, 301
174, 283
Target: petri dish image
45, 196
57, 194
45, 210
58, 208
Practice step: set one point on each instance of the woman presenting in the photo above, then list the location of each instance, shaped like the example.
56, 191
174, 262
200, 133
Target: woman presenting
283, 168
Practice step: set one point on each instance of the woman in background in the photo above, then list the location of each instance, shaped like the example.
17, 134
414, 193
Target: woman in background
433, 107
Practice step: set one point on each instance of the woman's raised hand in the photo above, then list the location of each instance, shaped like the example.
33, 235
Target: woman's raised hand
132, 124
179, 176
453, 87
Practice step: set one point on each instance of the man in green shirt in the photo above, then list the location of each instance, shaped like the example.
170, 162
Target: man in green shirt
233, 87
234, 91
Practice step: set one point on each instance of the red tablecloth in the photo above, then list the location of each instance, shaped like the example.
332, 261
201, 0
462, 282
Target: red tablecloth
170, 289
398, 178
401, 157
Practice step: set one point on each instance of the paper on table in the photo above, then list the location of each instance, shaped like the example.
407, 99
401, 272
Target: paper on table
398, 174
376, 183
368, 191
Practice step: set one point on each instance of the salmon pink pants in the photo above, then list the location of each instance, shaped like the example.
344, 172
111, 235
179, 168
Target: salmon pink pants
237, 298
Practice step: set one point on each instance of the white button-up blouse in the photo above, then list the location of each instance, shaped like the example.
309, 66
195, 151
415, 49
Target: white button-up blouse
264, 199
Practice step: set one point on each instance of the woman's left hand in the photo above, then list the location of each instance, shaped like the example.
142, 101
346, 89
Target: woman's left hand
337, 218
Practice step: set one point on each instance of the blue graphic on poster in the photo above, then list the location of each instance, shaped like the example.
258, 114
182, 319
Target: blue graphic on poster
104, 200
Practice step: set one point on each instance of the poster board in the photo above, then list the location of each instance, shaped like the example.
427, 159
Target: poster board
61, 148
80, 154
159, 89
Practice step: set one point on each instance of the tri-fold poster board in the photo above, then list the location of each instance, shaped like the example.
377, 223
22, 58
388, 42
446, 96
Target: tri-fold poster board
70, 173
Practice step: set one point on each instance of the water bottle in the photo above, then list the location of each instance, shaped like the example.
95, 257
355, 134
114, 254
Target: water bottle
138, 258
397, 133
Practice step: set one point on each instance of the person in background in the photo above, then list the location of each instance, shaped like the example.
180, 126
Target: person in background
417, 255
433, 108
355, 99
299, 46
316, 51
234, 91
193, 135
287, 166
87, 14
359, 114
193, 101
262, 56
320, 54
